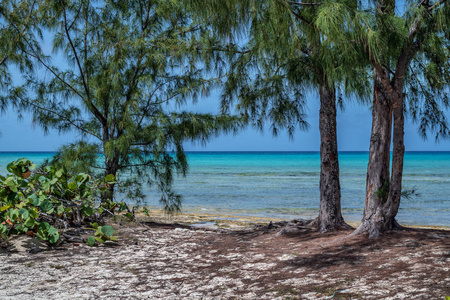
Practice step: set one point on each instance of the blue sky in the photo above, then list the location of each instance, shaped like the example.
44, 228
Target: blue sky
354, 124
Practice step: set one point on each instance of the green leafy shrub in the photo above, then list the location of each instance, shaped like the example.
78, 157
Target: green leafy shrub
43, 202
102, 234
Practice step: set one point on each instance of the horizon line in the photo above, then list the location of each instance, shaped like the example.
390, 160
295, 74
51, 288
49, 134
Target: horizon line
247, 151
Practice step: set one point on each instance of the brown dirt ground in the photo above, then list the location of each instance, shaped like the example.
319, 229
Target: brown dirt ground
172, 261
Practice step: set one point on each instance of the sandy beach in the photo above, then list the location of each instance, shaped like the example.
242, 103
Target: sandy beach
161, 259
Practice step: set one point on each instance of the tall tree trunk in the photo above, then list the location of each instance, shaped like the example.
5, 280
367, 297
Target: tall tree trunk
383, 195
330, 217
111, 167
392, 204
377, 184
383, 200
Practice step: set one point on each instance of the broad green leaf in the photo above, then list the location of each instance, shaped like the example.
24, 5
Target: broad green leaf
46, 205
82, 178
52, 231
24, 213
3, 208
37, 201
122, 206
21, 228
59, 173
41, 235
59, 209
44, 226
13, 214
53, 238
30, 222
91, 241
32, 198
88, 211
110, 178
73, 186
107, 231
99, 239
12, 184
33, 212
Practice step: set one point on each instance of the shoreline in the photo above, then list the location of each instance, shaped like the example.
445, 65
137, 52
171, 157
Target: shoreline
232, 221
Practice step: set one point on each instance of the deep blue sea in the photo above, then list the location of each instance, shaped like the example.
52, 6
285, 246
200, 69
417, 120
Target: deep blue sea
286, 184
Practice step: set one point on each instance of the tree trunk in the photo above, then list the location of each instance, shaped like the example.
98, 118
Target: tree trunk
383, 195
330, 217
377, 184
111, 167
392, 204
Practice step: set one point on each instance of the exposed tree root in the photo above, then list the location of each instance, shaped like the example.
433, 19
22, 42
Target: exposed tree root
365, 228
296, 225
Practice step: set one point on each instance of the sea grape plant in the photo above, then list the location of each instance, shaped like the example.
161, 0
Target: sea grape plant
102, 234
44, 201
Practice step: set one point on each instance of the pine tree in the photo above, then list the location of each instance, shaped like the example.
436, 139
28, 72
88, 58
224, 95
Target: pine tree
286, 54
127, 69
409, 55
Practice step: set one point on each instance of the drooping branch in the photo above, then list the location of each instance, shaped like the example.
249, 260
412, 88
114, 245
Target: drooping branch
88, 101
305, 4
71, 122
436, 5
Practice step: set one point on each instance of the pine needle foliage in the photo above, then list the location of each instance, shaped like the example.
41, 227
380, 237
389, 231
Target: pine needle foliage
411, 36
128, 68
283, 54
17, 23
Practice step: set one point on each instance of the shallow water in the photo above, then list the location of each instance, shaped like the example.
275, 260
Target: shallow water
286, 184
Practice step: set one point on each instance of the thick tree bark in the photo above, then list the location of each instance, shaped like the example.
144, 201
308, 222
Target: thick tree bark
377, 184
383, 195
330, 217
392, 204
383, 192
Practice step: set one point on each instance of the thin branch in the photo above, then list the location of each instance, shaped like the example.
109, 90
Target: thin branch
294, 13
3, 60
54, 218
301, 18
305, 4
36, 56
436, 5
90, 105
72, 122
417, 79
147, 106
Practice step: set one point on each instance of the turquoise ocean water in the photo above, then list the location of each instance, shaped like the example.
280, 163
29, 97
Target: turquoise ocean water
286, 184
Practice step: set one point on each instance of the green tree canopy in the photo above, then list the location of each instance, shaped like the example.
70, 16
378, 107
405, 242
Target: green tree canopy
17, 26
128, 67
409, 55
